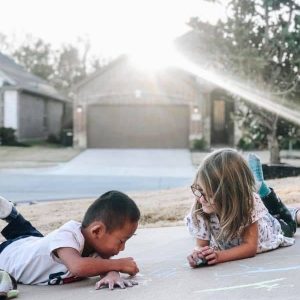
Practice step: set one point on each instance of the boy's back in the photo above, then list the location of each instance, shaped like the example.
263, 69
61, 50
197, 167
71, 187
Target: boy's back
32, 260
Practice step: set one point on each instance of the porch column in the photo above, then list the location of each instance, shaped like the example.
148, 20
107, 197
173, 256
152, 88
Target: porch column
80, 132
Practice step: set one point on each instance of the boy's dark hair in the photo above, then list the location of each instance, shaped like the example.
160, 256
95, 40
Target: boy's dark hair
114, 209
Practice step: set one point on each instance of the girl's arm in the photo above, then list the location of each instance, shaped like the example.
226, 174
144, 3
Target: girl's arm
200, 244
247, 249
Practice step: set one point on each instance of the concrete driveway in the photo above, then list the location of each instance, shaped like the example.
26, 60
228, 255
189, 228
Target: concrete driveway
95, 171
130, 162
121, 162
164, 274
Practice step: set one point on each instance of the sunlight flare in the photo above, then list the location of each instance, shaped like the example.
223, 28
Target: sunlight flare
154, 58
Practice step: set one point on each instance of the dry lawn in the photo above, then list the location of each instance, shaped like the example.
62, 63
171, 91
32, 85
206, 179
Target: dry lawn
35, 156
158, 208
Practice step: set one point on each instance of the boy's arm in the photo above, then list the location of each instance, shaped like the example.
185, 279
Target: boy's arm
92, 266
247, 249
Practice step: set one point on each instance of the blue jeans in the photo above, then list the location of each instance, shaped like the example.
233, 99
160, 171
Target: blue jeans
16, 229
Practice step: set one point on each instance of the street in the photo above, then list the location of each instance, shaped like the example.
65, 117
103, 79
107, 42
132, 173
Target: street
96, 171
29, 187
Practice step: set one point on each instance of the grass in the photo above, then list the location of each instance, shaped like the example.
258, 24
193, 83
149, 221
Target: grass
158, 208
37, 153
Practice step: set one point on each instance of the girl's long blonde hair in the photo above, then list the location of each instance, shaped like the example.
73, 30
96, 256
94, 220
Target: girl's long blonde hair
227, 180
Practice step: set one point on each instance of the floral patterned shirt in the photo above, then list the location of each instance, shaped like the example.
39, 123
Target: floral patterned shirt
270, 235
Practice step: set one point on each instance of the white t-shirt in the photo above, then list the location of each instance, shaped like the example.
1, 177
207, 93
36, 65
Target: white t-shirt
31, 260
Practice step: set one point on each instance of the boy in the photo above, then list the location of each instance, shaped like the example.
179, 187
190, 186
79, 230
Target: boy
75, 250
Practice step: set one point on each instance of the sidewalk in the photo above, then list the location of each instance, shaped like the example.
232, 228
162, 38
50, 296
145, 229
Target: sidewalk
44, 157
164, 274
292, 158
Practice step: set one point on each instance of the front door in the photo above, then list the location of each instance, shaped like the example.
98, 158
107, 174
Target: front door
221, 123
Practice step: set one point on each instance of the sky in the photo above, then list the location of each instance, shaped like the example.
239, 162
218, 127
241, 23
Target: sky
113, 26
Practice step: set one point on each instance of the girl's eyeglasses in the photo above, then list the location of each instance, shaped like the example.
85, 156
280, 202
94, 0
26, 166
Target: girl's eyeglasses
196, 189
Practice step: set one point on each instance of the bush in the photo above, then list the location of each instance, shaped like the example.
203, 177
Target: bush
53, 139
245, 144
199, 144
8, 137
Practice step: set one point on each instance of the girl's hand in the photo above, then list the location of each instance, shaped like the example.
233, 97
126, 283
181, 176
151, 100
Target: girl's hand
112, 279
194, 258
210, 255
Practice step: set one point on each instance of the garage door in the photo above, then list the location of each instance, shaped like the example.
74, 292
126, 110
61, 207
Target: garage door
137, 126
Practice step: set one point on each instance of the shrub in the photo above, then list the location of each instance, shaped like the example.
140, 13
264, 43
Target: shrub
53, 139
199, 144
7, 136
245, 143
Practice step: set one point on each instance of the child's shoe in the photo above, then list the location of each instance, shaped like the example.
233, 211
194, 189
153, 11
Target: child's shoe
256, 168
5, 208
8, 286
294, 211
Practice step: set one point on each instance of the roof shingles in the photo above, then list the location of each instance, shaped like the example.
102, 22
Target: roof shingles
15, 76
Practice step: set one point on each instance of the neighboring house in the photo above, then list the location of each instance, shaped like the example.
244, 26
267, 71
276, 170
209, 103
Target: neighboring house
122, 106
28, 103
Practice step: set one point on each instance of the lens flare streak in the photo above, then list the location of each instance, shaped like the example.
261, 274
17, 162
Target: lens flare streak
264, 101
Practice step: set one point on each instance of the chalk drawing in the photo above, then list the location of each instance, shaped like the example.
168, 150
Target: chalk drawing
164, 273
255, 270
142, 280
269, 285
160, 274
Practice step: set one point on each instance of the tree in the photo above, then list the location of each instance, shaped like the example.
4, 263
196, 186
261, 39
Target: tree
62, 67
259, 43
36, 56
69, 69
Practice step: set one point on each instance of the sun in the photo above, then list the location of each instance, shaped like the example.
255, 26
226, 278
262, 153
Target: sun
154, 56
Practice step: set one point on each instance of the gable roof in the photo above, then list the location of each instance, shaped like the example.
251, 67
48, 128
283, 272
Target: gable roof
115, 63
14, 76
104, 69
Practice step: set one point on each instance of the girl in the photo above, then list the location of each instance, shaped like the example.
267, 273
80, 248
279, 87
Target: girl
228, 219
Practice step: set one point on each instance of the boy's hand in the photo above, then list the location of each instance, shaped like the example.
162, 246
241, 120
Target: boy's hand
112, 279
128, 265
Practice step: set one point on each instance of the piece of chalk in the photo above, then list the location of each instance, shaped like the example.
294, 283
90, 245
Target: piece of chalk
200, 262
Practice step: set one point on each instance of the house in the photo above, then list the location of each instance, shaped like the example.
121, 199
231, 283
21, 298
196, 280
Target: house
28, 103
223, 130
124, 106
